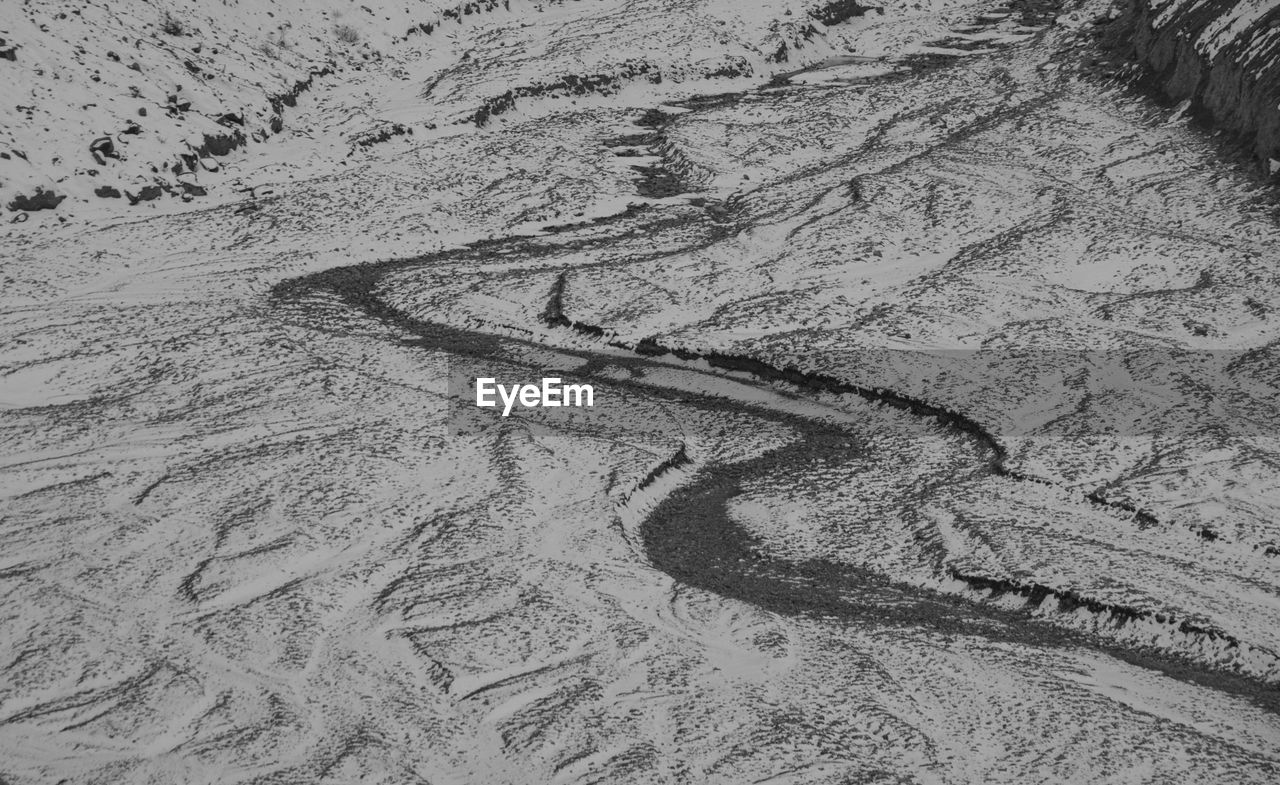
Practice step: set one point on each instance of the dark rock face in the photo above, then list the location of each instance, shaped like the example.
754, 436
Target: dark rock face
107, 192
40, 200
838, 11
1232, 78
220, 144
1035, 13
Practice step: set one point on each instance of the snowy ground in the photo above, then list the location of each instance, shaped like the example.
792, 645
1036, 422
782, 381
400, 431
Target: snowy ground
247, 535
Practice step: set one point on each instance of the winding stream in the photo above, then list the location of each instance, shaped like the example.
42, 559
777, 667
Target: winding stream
690, 534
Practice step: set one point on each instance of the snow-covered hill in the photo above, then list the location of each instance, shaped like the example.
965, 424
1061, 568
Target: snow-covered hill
937, 439
133, 100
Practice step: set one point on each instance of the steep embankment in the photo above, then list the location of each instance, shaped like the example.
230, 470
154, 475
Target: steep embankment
1221, 55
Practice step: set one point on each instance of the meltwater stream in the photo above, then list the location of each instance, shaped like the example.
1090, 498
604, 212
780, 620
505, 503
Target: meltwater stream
689, 534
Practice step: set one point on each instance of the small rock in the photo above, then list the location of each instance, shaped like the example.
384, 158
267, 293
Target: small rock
103, 148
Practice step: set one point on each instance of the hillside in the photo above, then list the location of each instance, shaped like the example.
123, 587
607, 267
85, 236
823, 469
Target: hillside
134, 100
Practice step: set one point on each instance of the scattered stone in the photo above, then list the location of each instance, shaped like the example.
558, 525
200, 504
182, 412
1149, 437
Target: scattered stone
103, 148
147, 193
177, 108
172, 25
40, 200
370, 138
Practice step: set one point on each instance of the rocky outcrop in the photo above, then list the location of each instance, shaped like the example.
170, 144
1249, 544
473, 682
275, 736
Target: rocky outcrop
215, 145
569, 85
1221, 55
828, 15
381, 134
